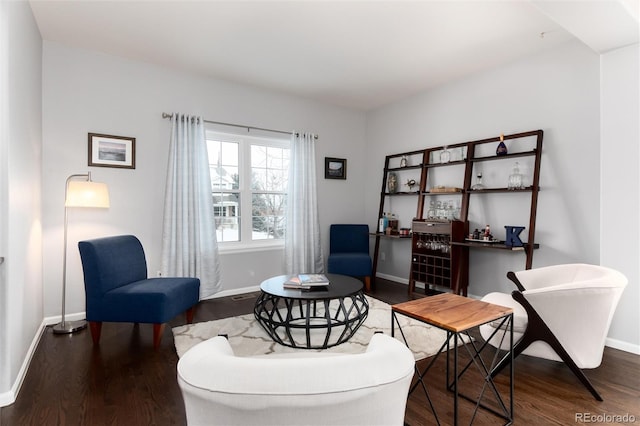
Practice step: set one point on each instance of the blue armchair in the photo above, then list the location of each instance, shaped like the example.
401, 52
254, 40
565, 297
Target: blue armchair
117, 288
349, 252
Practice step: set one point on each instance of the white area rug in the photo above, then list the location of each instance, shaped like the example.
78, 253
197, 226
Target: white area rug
247, 337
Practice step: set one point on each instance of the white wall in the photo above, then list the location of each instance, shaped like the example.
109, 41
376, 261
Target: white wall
558, 92
20, 193
620, 155
87, 91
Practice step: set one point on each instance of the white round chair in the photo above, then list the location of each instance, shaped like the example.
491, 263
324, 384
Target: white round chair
561, 313
302, 388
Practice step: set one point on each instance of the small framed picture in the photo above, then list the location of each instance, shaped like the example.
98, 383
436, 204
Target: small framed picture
335, 168
112, 151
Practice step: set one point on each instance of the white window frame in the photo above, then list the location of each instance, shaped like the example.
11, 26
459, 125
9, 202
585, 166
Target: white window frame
246, 244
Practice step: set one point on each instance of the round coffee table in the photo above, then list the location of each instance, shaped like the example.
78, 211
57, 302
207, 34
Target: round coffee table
311, 319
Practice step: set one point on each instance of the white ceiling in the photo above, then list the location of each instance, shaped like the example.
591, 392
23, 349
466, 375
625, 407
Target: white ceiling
358, 54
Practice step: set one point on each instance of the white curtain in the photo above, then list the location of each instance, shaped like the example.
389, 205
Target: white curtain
303, 252
189, 246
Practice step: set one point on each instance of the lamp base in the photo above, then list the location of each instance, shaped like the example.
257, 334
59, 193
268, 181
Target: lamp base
68, 327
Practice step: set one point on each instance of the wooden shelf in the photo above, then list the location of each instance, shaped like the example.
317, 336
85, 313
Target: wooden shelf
450, 163
391, 194
502, 157
427, 193
425, 266
399, 169
492, 246
392, 236
489, 190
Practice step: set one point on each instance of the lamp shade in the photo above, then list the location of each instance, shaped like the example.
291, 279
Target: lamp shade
87, 194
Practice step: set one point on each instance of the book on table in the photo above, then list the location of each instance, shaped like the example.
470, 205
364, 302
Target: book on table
306, 281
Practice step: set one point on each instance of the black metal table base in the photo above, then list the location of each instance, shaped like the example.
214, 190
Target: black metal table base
473, 349
311, 324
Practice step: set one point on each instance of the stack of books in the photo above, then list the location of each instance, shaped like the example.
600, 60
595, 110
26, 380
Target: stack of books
307, 282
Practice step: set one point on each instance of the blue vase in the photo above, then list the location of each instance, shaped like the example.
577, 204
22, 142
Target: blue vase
501, 149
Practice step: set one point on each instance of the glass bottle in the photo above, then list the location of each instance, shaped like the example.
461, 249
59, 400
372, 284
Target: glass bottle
501, 148
431, 213
478, 185
515, 178
445, 155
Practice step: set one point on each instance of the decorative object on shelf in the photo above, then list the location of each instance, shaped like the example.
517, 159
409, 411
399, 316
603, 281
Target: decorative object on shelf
431, 213
502, 148
335, 168
392, 183
112, 151
445, 155
411, 183
487, 233
383, 223
515, 178
478, 185
512, 238
392, 226
403, 161
444, 189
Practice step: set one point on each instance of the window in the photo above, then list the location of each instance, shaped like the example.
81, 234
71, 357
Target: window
249, 184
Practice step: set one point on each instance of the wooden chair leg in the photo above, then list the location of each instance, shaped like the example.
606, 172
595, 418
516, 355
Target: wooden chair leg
190, 313
158, 329
96, 330
537, 330
367, 284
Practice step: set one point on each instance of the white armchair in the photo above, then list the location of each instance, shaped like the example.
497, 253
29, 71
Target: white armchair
308, 388
561, 313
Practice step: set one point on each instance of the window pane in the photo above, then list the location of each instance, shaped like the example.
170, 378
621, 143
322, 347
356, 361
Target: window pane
258, 179
258, 156
229, 152
268, 216
223, 164
226, 210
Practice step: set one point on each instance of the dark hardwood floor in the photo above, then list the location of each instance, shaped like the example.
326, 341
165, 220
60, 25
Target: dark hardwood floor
125, 382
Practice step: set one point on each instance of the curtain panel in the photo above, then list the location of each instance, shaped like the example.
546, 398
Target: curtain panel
189, 246
303, 251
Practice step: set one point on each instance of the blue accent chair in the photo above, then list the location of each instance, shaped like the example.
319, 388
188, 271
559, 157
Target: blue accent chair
349, 252
117, 288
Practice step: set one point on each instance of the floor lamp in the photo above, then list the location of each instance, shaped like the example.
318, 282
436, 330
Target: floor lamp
78, 193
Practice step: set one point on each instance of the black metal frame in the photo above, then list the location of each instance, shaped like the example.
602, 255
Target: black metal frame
280, 316
474, 351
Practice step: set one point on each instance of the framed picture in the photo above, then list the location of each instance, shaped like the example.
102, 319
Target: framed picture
112, 151
335, 168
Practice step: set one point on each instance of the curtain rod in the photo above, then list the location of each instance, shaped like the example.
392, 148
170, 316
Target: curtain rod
249, 128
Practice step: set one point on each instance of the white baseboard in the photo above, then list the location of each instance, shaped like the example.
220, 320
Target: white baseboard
68, 317
234, 291
623, 346
8, 398
394, 278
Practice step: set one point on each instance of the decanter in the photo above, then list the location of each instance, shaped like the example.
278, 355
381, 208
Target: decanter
478, 185
445, 155
515, 178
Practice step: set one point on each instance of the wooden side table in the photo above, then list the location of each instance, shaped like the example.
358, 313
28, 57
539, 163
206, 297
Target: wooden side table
458, 315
